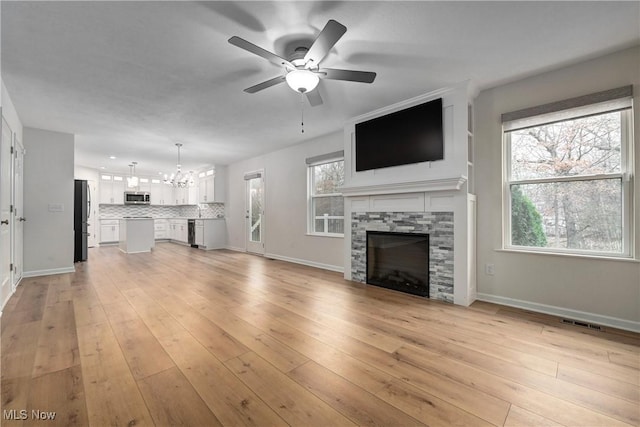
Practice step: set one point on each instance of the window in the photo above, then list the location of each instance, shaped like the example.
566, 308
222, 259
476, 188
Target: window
568, 180
326, 205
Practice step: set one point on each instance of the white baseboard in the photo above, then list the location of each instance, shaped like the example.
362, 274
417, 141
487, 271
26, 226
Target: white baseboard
614, 322
37, 273
329, 267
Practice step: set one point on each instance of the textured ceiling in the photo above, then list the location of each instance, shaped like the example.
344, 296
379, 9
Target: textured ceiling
130, 79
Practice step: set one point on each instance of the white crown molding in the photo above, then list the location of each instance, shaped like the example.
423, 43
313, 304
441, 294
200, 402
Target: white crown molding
443, 184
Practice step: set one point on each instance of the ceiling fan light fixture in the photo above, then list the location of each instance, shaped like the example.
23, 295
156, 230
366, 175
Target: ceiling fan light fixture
302, 81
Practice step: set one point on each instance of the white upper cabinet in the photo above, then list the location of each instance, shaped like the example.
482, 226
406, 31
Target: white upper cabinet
155, 191
144, 185
161, 193
192, 195
209, 188
112, 189
211, 185
206, 186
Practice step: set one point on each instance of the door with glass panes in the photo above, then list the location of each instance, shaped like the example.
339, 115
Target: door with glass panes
254, 213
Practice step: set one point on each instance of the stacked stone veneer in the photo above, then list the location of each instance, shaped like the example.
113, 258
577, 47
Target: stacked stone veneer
439, 226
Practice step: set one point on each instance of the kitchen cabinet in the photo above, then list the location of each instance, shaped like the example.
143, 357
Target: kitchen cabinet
206, 188
167, 195
211, 233
178, 230
144, 185
155, 191
109, 230
160, 229
179, 196
161, 193
199, 232
136, 235
192, 195
186, 196
211, 185
112, 189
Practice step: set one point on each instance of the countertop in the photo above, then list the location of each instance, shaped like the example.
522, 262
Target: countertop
167, 218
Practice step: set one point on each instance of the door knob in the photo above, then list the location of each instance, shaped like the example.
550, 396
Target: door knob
6, 221
22, 219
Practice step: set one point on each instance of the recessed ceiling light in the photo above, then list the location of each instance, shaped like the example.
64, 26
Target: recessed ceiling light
112, 157
102, 167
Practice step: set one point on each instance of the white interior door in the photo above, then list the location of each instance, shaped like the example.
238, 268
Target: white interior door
18, 211
92, 214
255, 212
5, 220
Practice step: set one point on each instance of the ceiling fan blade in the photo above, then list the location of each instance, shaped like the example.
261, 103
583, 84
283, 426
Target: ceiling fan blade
257, 50
327, 38
260, 86
314, 97
349, 75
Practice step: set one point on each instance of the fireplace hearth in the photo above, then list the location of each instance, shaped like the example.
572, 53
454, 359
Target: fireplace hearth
398, 261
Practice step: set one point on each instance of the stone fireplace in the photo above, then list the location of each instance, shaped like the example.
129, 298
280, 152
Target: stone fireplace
439, 227
434, 198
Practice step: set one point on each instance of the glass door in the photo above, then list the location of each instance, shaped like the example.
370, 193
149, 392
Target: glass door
255, 212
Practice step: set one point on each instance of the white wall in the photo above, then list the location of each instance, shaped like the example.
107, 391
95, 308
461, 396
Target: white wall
604, 291
9, 112
81, 172
48, 181
285, 225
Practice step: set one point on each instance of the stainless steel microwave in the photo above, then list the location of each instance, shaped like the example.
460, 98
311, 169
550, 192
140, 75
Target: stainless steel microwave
137, 198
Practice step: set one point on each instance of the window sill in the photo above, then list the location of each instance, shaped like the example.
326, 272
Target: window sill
338, 236
569, 255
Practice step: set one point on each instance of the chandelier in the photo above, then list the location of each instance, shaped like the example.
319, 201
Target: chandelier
179, 179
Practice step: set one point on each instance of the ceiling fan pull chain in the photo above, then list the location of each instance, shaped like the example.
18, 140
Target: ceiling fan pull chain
302, 111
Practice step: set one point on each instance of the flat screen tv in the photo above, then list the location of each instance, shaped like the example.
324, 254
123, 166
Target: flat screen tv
403, 137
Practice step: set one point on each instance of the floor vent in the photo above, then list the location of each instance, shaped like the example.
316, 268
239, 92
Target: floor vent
583, 324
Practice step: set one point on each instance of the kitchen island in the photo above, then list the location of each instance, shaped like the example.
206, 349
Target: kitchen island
136, 235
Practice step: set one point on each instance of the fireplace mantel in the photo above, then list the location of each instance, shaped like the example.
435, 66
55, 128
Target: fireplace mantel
443, 184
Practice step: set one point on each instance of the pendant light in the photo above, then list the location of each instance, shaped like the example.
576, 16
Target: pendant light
179, 179
132, 179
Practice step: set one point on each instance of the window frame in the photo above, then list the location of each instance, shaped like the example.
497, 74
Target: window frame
625, 176
311, 196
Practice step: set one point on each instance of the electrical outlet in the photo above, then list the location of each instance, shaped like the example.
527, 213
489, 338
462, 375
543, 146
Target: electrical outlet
489, 269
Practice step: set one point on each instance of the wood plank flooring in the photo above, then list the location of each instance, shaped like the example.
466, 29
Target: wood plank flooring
187, 337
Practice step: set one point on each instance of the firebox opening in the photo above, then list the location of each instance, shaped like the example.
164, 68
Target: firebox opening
398, 261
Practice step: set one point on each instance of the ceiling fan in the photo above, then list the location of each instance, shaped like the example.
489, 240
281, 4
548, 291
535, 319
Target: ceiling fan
302, 70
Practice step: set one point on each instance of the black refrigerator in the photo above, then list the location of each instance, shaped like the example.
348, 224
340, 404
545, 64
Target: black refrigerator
81, 213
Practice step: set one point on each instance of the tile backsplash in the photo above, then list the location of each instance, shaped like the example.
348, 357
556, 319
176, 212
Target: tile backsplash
210, 210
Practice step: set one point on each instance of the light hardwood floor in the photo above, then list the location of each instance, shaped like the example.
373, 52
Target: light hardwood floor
186, 337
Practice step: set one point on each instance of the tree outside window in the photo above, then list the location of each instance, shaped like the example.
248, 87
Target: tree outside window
326, 204
566, 184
